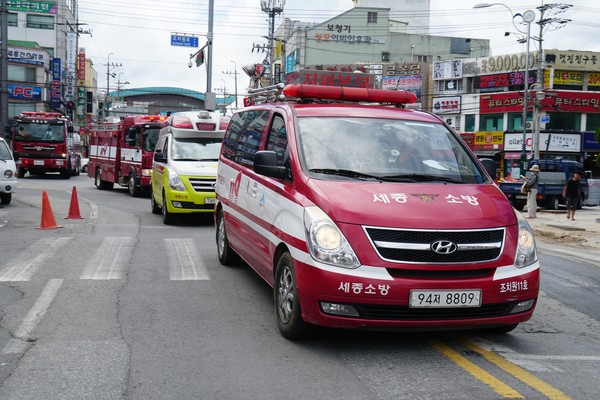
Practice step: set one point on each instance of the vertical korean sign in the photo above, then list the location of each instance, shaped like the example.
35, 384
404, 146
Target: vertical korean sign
81, 96
71, 65
56, 93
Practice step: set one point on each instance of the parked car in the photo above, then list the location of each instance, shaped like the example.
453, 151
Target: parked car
84, 165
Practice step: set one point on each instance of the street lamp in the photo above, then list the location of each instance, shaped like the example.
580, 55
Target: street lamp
528, 17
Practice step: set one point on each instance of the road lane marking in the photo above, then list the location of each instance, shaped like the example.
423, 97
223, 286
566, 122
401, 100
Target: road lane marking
496, 384
524, 376
27, 263
22, 336
110, 259
185, 263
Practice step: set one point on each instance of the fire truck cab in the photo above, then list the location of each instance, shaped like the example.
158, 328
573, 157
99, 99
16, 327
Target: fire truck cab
46, 142
122, 152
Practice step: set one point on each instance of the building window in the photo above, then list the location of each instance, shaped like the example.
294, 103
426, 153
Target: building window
593, 122
371, 17
40, 21
515, 122
19, 73
12, 19
470, 123
385, 56
491, 122
423, 59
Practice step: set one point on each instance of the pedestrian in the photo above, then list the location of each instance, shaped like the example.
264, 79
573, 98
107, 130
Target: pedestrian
532, 186
571, 195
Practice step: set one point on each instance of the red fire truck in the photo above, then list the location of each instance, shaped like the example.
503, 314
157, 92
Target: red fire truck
122, 152
45, 142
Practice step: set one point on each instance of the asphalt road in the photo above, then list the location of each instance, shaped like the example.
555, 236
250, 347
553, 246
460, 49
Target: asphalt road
119, 306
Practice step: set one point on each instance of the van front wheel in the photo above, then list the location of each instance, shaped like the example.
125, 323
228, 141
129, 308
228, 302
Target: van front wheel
287, 304
226, 254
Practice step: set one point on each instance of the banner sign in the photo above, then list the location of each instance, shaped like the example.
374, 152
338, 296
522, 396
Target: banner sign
447, 69
572, 60
555, 142
45, 7
489, 140
504, 80
446, 105
24, 92
81, 65
563, 78
56, 87
583, 102
27, 55
408, 83
331, 78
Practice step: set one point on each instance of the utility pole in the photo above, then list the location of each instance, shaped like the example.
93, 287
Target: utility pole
545, 23
272, 7
108, 75
235, 74
4, 66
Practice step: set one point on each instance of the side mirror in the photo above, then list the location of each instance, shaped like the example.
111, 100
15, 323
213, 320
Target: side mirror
490, 166
265, 163
159, 156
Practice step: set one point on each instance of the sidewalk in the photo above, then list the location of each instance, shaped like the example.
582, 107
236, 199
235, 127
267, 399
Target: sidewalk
579, 238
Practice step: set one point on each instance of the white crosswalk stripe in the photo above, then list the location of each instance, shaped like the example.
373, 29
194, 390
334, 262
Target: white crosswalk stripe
110, 259
25, 265
185, 262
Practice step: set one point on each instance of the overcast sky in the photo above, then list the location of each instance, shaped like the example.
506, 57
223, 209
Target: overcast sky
137, 34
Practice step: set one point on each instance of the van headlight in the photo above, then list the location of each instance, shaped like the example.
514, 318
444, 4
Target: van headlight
526, 248
8, 174
175, 182
326, 242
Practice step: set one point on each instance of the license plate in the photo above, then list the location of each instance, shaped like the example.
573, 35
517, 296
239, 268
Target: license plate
521, 196
445, 298
209, 200
38, 162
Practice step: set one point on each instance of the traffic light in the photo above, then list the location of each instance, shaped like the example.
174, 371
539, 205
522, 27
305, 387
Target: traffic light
200, 58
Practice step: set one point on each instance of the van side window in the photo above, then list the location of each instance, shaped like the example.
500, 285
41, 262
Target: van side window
244, 135
161, 148
278, 139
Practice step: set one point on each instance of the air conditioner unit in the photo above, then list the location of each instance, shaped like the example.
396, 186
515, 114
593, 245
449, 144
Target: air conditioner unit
528, 125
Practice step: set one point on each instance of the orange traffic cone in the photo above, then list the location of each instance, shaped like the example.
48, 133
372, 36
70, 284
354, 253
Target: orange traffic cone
48, 221
74, 207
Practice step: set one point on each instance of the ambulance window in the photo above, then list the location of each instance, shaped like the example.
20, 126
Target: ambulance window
278, 138
244, 135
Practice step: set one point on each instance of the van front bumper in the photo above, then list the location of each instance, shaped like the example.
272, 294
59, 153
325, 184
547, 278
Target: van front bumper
384, 303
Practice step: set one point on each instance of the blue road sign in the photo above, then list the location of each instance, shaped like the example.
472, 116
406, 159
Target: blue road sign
184, 41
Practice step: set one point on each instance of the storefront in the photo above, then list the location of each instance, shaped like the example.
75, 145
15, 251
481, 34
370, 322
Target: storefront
553, 145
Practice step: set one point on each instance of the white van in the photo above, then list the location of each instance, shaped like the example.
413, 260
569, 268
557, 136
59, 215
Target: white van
8, 173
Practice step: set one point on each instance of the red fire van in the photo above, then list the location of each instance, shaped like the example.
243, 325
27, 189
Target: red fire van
363, 214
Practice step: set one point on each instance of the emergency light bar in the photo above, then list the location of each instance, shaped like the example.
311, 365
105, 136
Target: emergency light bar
349, 94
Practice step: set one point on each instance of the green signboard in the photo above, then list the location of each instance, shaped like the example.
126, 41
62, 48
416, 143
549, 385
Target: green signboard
46, 7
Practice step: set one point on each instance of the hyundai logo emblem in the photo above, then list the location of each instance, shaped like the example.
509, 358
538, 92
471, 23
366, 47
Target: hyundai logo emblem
444, 247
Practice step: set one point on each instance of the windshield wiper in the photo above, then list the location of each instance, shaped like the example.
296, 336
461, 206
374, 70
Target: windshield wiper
345, 172
420, 178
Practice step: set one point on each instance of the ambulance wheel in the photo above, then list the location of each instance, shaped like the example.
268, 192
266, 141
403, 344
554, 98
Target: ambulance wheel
133, 187
226, 254
287, 304
155, 208
5, 198
168, 218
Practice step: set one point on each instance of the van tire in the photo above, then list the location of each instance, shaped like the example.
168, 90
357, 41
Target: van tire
168, 218
155, 208
226, 254
553, 203
5, 198
287, 303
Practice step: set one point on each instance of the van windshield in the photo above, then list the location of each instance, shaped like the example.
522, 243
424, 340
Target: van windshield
196, 149
4, 152
386, 149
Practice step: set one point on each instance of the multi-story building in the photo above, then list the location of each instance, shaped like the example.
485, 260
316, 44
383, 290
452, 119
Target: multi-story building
367, 39
42, 55
486, 99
